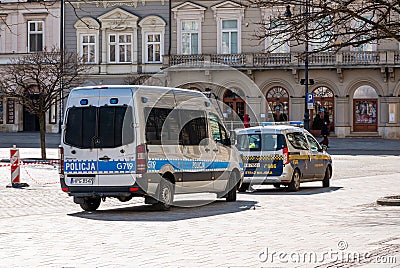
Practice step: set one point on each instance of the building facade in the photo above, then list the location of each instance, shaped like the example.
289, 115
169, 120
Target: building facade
123, 41
356, 90
27, 27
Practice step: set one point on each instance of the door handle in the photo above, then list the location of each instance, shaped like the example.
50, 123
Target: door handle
104, 158
215, 150
207, 150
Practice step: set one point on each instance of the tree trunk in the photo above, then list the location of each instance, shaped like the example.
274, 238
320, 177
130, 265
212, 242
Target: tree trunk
42, 124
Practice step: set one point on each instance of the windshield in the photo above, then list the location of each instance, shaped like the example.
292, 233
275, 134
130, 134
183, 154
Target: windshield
99, 127
260, 142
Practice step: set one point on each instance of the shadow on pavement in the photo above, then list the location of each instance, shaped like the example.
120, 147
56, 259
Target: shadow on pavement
149, 213
303, 191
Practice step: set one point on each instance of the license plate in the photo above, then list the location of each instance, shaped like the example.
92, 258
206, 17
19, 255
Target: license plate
82, 181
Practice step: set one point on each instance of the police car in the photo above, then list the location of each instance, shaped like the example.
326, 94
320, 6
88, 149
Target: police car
282, 154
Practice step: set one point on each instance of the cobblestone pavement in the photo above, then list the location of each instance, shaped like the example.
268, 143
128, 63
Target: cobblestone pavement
337, 227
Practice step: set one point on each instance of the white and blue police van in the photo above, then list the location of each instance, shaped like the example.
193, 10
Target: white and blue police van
282, 153
152, 142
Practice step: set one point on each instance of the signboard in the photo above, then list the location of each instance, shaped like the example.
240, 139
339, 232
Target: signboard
310, 101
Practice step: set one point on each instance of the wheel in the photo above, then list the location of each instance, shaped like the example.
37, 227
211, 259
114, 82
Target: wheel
91, 204
166, 195
231, 195
277, 185
244, 187
326, 180
294, 184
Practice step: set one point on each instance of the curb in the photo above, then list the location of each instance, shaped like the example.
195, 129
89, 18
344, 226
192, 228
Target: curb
389, 201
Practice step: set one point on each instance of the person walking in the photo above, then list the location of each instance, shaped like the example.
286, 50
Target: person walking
325, 133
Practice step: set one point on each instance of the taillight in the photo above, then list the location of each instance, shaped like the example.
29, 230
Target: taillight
285, 156
61, 157
141, 158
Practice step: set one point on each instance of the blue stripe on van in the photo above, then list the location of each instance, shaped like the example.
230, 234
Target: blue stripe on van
153, 165
94, 166
186, 165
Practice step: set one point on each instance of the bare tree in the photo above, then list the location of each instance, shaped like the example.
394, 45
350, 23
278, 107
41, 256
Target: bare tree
40, 80
329, 25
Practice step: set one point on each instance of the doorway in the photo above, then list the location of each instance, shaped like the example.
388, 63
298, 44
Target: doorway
31, 121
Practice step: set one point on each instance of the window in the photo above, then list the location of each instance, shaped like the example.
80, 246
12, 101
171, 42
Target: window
190, 37
1, 112
52, 113
218, 131
173, 126
35, 36
153, 47
229, 16
153, 31
10, 111
297, 140
120, 48
99, 127
314, 145
87, 39
229, 37
162, 126
261, 142
88, 48
194, 127
277, 41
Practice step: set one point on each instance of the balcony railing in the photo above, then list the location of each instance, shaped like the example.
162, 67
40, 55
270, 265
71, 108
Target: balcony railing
285, 60
267, 59
229, 59
365, 57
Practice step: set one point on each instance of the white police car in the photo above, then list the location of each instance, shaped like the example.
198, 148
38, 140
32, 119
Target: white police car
282, 154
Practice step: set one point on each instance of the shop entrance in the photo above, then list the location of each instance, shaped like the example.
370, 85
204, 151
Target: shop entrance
365, 110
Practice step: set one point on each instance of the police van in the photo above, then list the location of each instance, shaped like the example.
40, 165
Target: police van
282, 154
153, 142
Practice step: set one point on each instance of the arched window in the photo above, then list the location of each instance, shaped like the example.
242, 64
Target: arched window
324, 108
278, 101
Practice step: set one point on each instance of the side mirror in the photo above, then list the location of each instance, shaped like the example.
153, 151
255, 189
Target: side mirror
227, 142
324, 148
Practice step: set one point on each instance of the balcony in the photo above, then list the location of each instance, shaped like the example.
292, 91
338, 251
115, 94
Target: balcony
288, 60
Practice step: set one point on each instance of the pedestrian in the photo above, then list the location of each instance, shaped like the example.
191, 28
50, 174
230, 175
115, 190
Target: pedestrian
278, 116
246, 121
325, 133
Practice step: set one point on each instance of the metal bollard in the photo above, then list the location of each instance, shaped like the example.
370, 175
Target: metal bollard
15, 169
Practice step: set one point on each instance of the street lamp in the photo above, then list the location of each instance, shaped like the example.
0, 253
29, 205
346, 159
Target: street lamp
306, 82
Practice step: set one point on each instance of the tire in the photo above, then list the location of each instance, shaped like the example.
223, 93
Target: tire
91, 204
166, 195
232, 188
277, 185
326, 180
244, 187
294, 184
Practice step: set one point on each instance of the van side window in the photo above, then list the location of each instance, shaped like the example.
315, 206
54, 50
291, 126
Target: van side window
298, 140
162, 126
218, 131
194, 127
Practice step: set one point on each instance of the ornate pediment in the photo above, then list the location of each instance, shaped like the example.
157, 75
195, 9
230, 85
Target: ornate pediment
87, 23
227, 5
118, 19
188, 6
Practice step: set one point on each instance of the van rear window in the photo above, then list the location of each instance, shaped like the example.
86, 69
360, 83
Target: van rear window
260, 142
99, 127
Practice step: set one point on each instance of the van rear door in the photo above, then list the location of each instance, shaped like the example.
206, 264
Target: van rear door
115, 134
80, 154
